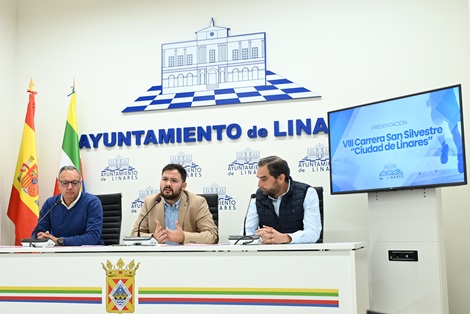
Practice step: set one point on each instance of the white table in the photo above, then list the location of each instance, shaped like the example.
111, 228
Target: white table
316, 278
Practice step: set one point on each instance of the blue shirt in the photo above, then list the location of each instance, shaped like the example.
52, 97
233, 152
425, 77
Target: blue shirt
311, 221
171, 215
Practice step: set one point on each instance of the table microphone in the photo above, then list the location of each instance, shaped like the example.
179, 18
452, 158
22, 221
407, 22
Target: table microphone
252, 196
145, 216
45, 215
44, 242
246, 239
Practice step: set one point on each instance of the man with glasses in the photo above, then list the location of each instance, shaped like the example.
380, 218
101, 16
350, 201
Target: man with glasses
73, 217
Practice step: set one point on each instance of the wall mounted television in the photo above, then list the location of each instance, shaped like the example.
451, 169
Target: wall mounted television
408, 142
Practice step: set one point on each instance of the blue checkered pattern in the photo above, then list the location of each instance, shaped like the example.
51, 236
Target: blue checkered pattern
276, 88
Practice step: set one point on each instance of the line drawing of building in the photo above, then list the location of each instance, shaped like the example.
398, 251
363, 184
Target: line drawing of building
248, 156
148, 191
118, 162
215, 189
216, 69
319, 152
214, 60
182, 159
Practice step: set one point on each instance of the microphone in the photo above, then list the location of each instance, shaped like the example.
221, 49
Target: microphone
252, 196
35, 242
145, 216
246, 239
147, 240
45, 215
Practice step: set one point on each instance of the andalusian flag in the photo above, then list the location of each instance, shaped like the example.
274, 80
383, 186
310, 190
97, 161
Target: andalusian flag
70, 148
23, 208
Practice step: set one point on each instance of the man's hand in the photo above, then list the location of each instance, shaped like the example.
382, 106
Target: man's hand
160, 234
270, 235
43, 235
46, 235
176, 235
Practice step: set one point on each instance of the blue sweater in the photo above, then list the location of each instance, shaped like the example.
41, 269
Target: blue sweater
80, 225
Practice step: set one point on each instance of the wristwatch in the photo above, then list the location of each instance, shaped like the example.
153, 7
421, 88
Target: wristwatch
60, 241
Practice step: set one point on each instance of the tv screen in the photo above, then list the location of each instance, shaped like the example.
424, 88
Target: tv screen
413, 141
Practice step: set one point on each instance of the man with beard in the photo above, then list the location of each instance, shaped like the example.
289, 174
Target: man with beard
285, 211
176, 215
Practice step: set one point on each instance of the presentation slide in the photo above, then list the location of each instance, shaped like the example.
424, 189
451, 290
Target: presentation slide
405, 142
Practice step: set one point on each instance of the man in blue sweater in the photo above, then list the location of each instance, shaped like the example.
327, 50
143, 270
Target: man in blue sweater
72, 218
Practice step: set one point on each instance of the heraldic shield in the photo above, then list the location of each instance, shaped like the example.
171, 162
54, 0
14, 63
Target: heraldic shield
120, 282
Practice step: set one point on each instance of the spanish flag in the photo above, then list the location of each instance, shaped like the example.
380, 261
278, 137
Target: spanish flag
70, 148
23, 209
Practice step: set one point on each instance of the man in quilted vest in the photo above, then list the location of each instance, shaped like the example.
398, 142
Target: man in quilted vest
285, 211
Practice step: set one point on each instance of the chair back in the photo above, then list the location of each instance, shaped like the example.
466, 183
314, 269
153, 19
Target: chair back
319, 190
213, 202
112, 217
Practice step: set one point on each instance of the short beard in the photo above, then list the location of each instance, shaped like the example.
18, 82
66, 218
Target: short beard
171, 197
272, 193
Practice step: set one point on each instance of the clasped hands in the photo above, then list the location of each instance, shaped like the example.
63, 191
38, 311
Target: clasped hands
270, 235
46, 235
168, 235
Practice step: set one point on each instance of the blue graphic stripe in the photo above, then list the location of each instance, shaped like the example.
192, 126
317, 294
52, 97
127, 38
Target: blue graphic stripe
206, 97
248, 94
279, 81
134, 109
143, 301
155, 88
295, 90
267, 87
161, 101
183, 95
224, 91
227, 101
180, 105
277, 97
145, 98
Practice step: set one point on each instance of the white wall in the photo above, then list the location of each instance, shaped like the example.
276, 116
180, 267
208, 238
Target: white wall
351, 52
9, 112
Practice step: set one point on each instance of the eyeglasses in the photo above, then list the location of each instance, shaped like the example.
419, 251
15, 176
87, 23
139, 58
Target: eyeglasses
66, 183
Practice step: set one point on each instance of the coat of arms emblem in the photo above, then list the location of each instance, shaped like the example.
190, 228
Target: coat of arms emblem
120, 279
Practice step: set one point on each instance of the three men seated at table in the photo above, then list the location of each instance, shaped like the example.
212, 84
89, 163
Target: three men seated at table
284, 210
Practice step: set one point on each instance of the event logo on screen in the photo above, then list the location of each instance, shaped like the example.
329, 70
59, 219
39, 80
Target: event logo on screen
226, 202
193, 170
213, 69
391, 172
139, 202
245, 164
317, 159
119, 169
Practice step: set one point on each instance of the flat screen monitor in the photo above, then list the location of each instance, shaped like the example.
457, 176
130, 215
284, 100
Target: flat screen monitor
412, 141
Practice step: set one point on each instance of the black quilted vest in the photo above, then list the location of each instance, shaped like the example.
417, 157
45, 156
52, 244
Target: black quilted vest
291, 211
